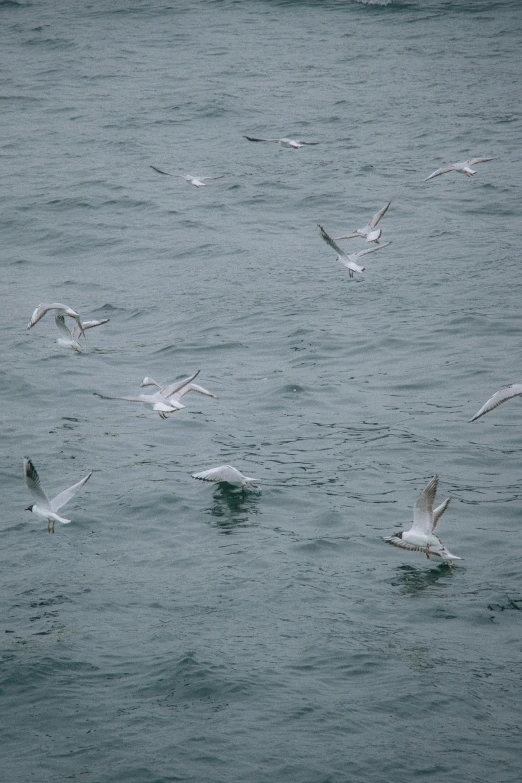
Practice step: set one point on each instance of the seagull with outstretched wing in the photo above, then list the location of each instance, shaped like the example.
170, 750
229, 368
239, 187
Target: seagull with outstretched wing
43, 507
420, 537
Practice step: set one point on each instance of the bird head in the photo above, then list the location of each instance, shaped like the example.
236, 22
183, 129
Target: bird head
29, 508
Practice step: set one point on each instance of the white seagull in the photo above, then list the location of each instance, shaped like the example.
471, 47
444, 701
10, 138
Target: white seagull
163, 401
349, 259
503, 395
185, 389
420, 537
61, 309
290, 143
228, 474
69, 337
464, 166
369, 232
45, 508
197, 181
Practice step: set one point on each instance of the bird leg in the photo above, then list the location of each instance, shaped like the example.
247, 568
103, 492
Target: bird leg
50, 525
427, 552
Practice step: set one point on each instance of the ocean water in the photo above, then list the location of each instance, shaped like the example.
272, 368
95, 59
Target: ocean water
181, 631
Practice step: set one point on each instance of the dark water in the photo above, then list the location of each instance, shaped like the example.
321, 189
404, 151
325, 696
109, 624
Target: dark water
177, 631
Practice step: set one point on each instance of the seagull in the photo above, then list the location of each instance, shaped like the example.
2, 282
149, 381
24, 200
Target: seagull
420, 536
464, 166
45, 508
188, 387
228, 474
61, 309
368, 232
70, 338
163, 401
198, 182
349, 260
503, 395
290, 143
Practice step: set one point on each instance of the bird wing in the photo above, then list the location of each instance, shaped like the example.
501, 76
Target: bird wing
439, 511
193, 387
329, 241
308, 143
166, 173
399, 542
370, 250
441, 171
62, 326
32, 480
378, 215
252, 138
503, 395
349, 236
127, 399
423, 509
222, 473
477, 160
173, 388
42, 309
64, 497
88, 325
220, 177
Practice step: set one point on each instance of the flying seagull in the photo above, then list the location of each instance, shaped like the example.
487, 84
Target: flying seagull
420, 537
369, 232
163, 401
349, 260
45, 508
227, 474
61, 309
185, 389
503, 395
464, 166
290, 143
197, 181
69, 337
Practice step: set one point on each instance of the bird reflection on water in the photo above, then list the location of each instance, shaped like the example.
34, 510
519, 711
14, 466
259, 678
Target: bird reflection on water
232, 509
413, 580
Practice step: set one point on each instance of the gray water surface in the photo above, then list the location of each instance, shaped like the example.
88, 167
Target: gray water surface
178, 631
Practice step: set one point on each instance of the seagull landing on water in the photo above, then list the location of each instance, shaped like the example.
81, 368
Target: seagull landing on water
164, 401
69, 338
420, 537
503, 395
369, 232
186, 388
349, 260
463, 166
226, 474
197, 181
290, 143
45, 508
61, 309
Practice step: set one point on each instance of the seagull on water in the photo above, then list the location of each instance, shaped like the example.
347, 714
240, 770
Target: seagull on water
420, 537
61, 309
349, 260
70, 337
464, 166
163, 401
197, 181
290, 143
503, 395
227, 474
369, 232
45, 508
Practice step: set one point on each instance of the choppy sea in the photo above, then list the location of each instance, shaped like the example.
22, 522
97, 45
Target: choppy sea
182, 631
